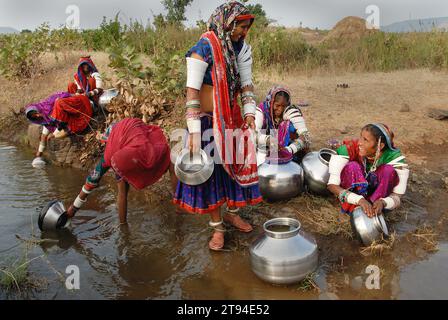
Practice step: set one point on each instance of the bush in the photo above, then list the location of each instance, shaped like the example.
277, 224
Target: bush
20, 55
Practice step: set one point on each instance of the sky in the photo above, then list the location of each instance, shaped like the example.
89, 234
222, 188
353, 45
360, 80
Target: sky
323, 14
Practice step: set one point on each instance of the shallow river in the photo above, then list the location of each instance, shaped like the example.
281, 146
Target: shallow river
160, 255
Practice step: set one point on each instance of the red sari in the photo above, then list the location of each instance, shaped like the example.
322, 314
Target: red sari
137, 152
75, 111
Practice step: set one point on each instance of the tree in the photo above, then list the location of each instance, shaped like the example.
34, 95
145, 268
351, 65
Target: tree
176, 10
261, 17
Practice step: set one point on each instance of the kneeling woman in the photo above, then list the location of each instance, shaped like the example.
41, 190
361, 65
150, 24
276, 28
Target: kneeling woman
277, 113
139, 155
39, 113
369, 172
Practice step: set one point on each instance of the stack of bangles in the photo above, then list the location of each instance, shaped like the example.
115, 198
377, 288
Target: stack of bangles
249, 104
94, 92
193, 116
346, 196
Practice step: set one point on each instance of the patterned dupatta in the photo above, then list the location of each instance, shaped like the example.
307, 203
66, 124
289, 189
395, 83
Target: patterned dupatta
268, 112
79, 76
227, 117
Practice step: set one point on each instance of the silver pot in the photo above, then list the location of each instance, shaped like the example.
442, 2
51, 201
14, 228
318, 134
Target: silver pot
315, 167
194, 170
53, 216
283, 254
106, 97
368, 229
280, 181
38, 163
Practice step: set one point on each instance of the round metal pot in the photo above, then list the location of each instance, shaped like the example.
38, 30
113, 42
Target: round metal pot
280, 181
38, 163
368, 229
283, 254
107, 97
53, 216
315, 167
194, 170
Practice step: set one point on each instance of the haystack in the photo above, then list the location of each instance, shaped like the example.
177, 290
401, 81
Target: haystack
349, 29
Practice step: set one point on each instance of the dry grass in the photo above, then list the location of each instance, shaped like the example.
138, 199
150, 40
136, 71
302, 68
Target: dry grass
320, 216
377, 248
309, 284
425, 236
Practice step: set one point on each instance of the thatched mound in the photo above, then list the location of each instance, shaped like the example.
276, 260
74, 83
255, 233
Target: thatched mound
347, 30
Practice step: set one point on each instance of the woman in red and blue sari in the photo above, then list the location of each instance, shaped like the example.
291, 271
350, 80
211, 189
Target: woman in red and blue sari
369, 172
87, 80
219, 70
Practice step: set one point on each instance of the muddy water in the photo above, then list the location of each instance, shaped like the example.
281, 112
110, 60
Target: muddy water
162, 255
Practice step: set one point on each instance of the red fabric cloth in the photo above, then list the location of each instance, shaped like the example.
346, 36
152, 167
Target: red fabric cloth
76, 111
137, 152
227, 116
353, 150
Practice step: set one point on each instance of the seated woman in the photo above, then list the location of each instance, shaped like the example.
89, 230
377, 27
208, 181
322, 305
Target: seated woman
72, 115
277, 113
87, 80
369, 172
139, 155
39, 113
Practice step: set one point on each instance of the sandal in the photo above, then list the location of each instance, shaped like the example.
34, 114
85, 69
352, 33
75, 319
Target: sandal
235, 220
217, 241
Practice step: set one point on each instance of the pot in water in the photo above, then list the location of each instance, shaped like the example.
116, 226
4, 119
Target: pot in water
283, 254
368, 229
315, 167
53, 216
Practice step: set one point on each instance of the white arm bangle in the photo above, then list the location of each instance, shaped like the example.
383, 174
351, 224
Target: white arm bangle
98, 80
354, 198
86, 191
45, 131
403, 175
41, 146
195, 73
78, 203
392, 202
244, 61
194, 125
335, 167
249, 109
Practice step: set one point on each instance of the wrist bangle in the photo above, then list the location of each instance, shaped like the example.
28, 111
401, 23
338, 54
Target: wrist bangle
354, 198
41, 147
78, 203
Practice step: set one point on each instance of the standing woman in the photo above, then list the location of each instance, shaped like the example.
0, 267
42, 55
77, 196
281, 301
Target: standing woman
219, 71
370, 172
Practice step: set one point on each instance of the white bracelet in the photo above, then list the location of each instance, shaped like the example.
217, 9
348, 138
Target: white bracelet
392, 202
78, 203
86, 191
41, 146
194, 125
249, 109
354, 198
